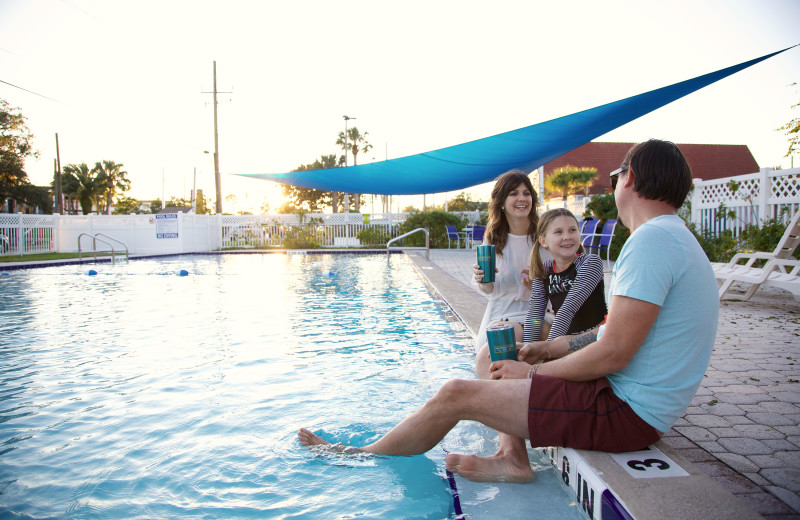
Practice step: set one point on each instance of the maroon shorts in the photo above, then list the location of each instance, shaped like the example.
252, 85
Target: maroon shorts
584, 416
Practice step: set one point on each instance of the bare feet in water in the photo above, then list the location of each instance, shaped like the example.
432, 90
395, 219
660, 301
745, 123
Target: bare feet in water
498, 468
315, 442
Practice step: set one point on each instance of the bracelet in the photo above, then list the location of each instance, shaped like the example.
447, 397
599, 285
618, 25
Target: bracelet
533, 369
549, 355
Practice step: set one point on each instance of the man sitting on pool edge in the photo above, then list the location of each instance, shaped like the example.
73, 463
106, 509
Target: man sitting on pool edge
628, 381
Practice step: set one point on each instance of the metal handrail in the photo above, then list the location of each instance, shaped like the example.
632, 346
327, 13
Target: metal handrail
120, 242
427, 247
95, 239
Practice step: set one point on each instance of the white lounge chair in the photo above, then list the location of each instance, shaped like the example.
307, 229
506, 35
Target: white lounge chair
781, 270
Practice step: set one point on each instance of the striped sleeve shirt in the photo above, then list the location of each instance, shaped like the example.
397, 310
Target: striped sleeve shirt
577, 295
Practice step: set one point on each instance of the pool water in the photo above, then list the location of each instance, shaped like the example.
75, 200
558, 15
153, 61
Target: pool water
140, 393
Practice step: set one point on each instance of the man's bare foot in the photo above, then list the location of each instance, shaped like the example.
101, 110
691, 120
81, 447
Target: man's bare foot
317, 443
498, 468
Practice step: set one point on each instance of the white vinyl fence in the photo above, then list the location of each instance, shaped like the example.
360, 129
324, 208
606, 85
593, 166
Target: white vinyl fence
177, 233
760, 196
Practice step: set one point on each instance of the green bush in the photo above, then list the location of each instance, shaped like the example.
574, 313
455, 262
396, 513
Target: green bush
435, 222
373, 236
719, 248
602, 207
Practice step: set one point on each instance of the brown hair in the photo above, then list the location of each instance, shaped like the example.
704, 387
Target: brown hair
537, 268
498, 228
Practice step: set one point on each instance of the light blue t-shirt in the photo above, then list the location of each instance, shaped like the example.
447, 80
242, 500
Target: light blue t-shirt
662, 263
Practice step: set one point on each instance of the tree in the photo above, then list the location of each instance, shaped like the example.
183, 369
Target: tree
792, 129
15, 146
127, 206
309, 199
354, 143
463, 202
79, 184
568, 179
156, 206
111, 179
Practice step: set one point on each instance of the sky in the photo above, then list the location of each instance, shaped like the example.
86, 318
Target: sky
130, 81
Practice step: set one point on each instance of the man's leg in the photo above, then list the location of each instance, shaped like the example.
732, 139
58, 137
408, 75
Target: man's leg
510, 463
501, 405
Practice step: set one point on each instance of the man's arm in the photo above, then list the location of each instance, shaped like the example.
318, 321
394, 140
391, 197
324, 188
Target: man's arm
629, 321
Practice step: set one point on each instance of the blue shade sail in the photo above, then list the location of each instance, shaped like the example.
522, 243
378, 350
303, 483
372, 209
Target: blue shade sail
475, 162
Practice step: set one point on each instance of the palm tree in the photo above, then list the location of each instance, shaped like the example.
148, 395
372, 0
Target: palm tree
355, 142
79, 183
111, 179
570, 178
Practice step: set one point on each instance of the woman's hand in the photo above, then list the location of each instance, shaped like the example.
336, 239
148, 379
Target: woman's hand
533, 352
509, 369
526, 278
478, 275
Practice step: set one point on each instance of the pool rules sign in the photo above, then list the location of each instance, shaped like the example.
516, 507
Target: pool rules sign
167, 225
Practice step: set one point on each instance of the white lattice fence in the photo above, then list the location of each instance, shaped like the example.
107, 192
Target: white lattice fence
22, 234
754, 198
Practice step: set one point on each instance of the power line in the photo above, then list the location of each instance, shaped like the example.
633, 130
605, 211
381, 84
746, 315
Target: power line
30, 91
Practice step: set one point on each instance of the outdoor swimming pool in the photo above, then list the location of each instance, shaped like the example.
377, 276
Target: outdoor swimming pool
139, 393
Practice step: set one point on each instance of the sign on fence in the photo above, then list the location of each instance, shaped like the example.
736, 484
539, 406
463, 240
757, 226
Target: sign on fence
167, 225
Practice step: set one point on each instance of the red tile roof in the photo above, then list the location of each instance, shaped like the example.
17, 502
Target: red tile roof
707, 161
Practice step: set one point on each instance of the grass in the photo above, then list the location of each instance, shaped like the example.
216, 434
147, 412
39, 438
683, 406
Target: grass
43, 256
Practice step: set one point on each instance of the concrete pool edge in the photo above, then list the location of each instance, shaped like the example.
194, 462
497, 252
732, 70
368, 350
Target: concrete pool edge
695, 495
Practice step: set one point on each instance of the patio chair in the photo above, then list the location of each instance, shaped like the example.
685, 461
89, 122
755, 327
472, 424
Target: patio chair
588, 233
477, 235
606, 236
453, 234
774, 272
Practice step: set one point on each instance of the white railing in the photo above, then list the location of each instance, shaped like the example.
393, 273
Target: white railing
760, 196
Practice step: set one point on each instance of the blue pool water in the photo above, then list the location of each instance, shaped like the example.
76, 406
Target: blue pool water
140, 393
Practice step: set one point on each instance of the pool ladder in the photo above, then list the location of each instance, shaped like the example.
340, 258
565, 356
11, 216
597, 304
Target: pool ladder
427, 247
108, 241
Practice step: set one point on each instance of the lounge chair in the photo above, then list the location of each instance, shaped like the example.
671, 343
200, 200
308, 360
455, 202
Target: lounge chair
781, 270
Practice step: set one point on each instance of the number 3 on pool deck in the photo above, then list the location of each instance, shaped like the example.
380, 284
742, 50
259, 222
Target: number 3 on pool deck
643, 465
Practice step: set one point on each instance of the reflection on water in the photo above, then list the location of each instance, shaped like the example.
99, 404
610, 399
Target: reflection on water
138, 393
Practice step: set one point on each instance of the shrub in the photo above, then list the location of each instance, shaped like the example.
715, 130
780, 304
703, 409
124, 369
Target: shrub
602, 207
373, 236
435, 222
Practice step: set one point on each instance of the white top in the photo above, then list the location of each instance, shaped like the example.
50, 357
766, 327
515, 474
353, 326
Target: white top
509, 298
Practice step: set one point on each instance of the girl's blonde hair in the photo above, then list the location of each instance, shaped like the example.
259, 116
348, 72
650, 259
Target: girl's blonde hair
498, 228
537, 268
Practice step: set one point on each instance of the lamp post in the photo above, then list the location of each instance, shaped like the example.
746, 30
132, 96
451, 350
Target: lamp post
346, 195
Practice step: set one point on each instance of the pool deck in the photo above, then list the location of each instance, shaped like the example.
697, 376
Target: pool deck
741, 429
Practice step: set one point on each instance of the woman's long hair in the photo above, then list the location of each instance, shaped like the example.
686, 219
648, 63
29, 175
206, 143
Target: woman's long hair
537, 268
497, 229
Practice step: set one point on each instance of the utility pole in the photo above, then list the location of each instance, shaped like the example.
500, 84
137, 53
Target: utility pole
216, 147
59, 209
346, 195
217, 180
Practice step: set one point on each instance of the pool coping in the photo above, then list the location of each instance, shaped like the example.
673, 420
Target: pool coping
597, 481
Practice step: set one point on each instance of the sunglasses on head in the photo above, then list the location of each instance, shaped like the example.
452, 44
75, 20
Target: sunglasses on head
615, 175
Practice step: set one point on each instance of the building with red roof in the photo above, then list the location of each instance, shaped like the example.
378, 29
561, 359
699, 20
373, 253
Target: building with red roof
707, 161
